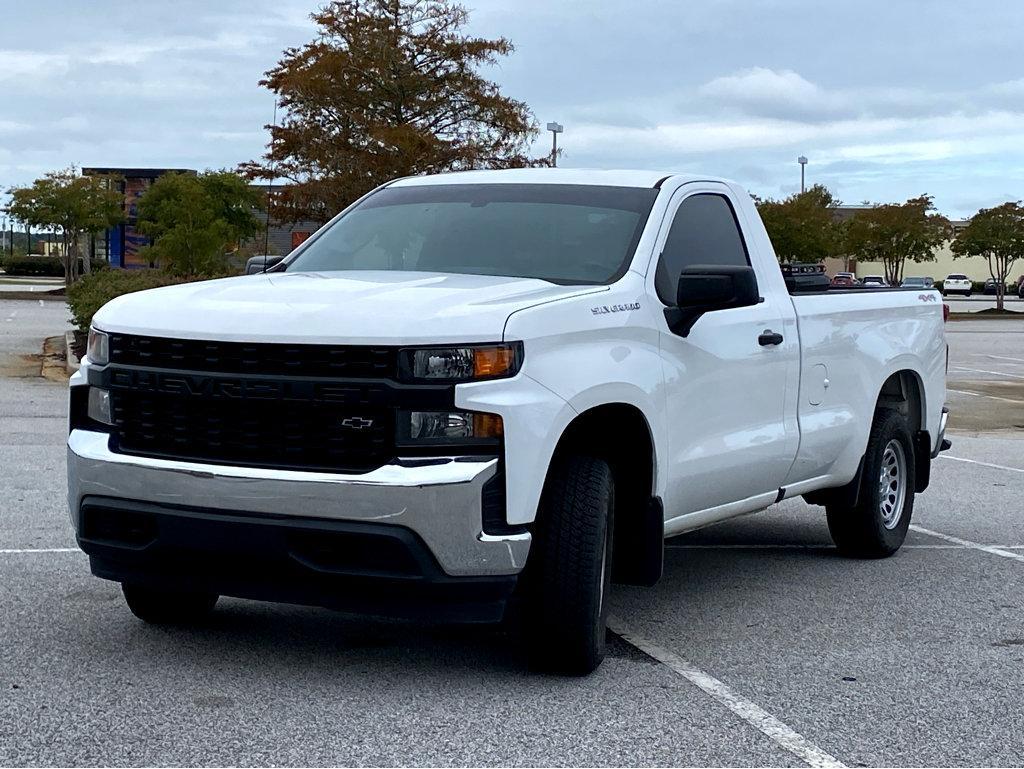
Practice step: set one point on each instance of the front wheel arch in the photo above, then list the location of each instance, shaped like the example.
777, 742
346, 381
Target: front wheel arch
619, 434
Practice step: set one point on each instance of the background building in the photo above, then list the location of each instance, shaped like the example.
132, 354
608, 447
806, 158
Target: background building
281, 237
975, 268
120, 245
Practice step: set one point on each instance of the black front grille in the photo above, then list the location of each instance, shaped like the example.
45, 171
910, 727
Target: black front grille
309, 407
286, 434
312, 360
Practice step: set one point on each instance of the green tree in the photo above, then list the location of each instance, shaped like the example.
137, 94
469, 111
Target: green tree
195, 220
71, 205
803, 227
897, 232
389, 88
997, 234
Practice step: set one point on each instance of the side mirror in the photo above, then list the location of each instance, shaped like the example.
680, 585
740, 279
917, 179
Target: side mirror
261, 263
709, 288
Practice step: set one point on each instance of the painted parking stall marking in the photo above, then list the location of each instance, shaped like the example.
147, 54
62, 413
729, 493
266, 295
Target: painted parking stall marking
753, 714
991, 549
984, 464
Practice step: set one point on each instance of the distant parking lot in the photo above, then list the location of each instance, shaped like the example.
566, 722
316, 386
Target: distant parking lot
979, 302
759, 646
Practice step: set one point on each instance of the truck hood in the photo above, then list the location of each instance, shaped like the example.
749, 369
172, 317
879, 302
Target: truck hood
354, 307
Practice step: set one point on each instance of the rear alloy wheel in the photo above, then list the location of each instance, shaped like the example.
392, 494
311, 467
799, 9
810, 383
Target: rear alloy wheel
568, 576
167, 607
877, 525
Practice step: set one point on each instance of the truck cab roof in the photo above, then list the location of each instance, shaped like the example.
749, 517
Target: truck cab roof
619, 178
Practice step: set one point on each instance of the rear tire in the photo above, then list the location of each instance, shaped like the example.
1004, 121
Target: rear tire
568, 576
877, 525
167, 607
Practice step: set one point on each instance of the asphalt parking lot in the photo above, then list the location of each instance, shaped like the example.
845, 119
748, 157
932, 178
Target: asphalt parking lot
760, 646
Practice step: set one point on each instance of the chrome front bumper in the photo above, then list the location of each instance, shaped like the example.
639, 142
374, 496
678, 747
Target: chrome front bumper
439, 502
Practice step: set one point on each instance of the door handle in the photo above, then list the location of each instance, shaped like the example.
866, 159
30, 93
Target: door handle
768, 338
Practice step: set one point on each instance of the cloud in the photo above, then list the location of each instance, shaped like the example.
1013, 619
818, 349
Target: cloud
16, 65
760, 88
883, 106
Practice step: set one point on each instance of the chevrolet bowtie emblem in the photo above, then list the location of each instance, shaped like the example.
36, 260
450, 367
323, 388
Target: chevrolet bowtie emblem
357, 423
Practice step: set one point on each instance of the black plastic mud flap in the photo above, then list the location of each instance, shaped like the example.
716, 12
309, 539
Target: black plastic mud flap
639, 556
846, 496
923, 460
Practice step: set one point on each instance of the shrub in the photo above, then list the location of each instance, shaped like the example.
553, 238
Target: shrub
93, 291
49, 266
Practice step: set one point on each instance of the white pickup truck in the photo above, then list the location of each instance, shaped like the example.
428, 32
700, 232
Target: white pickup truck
489, 389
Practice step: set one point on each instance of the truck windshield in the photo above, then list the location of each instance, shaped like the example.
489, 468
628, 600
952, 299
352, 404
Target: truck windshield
560, 233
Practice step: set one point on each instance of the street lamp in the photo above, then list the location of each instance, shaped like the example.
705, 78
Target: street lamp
803, 164
555, 128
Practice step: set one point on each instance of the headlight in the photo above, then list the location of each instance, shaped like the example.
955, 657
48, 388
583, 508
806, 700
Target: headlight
99, 406
463, 363
418, 428
98, 348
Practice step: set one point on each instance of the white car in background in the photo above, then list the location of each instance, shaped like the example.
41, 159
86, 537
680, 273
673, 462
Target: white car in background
956, 284
873, 280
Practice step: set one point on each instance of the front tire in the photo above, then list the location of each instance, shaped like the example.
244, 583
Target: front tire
569, 573
877, 525
167, 607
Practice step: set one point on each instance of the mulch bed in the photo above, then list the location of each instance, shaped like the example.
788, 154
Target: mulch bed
79, 345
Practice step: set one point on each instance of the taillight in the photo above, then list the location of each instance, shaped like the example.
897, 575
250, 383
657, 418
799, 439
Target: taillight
945, 312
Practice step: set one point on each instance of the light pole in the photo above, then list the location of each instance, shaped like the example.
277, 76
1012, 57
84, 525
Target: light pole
803, 164
555, 128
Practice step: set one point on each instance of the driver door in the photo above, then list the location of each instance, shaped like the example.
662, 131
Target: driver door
729, 442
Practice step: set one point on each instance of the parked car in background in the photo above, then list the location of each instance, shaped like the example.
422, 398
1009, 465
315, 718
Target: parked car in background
1020, 286
956, 284
917, 282
992, 287
873, 281
844, 280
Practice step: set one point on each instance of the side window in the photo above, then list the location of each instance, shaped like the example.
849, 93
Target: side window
704, 231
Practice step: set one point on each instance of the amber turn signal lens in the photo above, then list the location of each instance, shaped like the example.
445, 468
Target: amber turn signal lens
492, 361
487, 426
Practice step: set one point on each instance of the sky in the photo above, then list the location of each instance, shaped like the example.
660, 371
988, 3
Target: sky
888, 100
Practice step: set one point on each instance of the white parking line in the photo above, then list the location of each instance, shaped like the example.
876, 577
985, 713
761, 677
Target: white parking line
778, 732
986, 371
997, 357
991, 549
823, 546
40, 550
983, 395
985, 464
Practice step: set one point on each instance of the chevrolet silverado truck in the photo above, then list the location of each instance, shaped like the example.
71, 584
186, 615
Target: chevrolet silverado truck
494, 391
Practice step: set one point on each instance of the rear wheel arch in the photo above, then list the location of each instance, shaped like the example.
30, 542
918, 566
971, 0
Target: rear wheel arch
902, 392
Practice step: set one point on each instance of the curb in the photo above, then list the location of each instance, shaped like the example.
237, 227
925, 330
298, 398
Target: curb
54, 366
48, 296
70, 359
